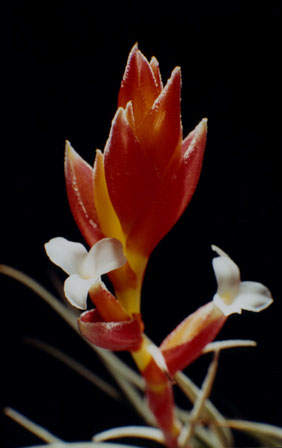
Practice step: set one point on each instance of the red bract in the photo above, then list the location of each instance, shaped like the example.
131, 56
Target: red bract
186, 342
146, 176
79, 185
109, 325
118, 336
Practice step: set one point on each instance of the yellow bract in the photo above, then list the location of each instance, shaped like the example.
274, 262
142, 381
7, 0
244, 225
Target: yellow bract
108, 220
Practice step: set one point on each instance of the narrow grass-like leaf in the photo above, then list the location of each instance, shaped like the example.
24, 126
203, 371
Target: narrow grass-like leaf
268, 434
233, 343
76, 366
83, 445
187, 431
115, 366
210, 412
32, 427
205, 437
136, 400
143, 432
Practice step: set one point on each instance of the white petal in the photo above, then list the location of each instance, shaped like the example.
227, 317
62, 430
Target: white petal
76, 290
66, 254
219, 251
228, 277
105, 256
226, 309
253, 296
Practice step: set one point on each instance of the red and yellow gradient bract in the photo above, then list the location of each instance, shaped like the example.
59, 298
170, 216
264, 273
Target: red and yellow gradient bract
146, 176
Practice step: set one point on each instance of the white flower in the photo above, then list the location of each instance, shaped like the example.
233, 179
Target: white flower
232, 295
84, 268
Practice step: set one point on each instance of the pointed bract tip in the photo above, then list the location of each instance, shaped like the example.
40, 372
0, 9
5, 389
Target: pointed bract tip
120, 115
203, 125
174, 80
99, 153
128, 107
176, 72
69, 151
133, 50
175, 77
154, 60
201, 129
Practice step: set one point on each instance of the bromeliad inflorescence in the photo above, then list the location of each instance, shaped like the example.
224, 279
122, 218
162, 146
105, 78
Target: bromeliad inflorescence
136, 191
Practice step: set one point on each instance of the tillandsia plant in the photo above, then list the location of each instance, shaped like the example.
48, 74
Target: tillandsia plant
124, 205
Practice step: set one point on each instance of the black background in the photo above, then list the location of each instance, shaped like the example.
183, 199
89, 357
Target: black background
62, 68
